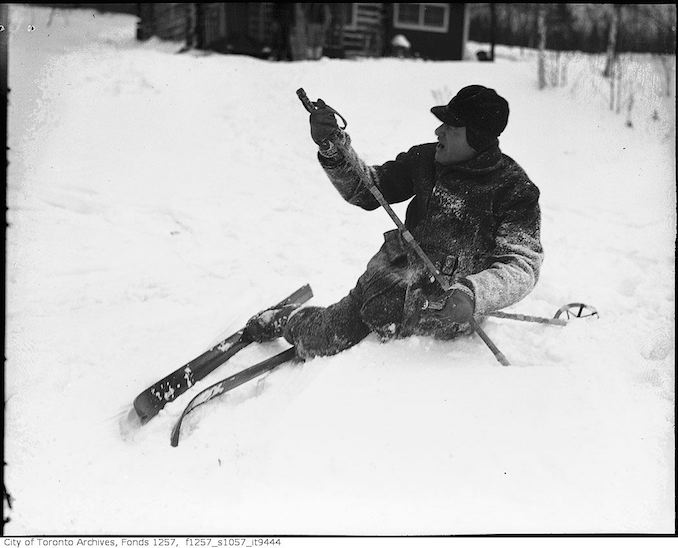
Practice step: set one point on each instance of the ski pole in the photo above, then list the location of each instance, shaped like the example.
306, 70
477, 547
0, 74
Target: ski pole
435, 273
310, 107
407, 236
527, 318
570, 310
493, 347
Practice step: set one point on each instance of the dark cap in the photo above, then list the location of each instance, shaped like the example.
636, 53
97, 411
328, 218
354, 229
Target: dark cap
475, 107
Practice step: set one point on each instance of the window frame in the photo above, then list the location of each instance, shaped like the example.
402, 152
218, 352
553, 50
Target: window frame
421, 26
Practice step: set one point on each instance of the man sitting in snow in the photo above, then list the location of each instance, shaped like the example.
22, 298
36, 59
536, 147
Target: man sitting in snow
474, 212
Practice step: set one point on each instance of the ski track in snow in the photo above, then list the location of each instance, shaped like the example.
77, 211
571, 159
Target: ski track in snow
157, 200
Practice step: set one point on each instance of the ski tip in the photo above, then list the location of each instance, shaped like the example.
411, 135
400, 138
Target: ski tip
144, 410
176, 430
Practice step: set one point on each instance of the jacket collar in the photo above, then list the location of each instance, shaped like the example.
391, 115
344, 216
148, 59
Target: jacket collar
486, 161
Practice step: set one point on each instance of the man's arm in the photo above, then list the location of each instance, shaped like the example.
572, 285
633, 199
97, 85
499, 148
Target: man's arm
517, 257
350, 175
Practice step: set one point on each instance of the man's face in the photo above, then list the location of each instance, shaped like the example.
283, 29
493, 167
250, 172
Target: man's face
452, 145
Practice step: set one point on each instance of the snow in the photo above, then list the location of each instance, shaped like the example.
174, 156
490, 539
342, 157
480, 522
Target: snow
157, 200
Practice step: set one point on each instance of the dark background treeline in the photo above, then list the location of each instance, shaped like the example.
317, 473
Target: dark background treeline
583, 27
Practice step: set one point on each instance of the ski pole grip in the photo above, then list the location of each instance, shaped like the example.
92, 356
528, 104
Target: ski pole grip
310, 107
305, 100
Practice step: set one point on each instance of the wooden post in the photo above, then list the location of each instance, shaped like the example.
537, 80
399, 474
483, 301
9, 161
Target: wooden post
191, 26
298, 33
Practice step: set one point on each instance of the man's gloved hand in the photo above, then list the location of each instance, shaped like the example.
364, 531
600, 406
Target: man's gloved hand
457, 305
323, 123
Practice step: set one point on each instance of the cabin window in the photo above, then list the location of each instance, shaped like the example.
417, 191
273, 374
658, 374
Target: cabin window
427, 17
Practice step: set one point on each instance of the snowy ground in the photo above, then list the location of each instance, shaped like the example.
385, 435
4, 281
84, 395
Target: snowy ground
157, 200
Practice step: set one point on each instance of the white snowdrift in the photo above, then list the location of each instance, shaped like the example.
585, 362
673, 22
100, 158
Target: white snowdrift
157, 200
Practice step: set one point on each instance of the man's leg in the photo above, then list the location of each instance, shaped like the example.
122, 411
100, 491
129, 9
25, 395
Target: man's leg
319, 331
375, 304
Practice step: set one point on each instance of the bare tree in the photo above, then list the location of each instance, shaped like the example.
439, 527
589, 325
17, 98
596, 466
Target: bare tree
618, 70
493, 29
541, 31
611, 64
612, 40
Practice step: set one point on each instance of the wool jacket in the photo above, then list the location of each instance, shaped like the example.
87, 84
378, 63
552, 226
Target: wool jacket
479, 220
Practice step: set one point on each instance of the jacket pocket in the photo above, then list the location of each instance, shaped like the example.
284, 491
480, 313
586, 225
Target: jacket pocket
395, 248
